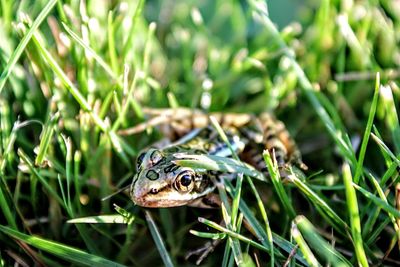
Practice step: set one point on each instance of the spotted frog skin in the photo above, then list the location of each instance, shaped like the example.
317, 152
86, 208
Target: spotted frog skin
160, 182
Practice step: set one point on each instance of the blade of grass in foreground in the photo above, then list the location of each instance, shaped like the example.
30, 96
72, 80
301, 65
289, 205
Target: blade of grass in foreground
391, 118
385, 155
321, 204
261, 234
316, 242
265, 218
239, 180
45, 139
308, 255
7, 209
41, 179
354, 215
379, 202
367, 132
158, 240
112, 218
25, 40
277, 182
231, 219
384, 147
383, 197
218, 227
217, 163
67, 253
5, 129
5, 195
221, 164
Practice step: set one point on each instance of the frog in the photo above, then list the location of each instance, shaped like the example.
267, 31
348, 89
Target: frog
161, 183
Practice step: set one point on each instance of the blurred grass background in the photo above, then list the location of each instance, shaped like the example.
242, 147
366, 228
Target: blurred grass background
75, 73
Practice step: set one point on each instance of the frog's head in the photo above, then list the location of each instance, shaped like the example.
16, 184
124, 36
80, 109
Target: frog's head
159, 182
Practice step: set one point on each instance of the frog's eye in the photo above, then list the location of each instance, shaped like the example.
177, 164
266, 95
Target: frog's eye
184, 182
139, 160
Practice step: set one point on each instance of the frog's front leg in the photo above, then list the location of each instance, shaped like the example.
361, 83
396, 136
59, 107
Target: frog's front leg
203, 251
210, 201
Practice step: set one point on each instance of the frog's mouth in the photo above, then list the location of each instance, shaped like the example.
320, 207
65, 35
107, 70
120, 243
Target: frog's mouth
161, 198
167, 203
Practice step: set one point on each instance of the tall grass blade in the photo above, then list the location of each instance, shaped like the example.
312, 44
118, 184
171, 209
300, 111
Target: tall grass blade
277, 182
319, 202
367, 132
318, 244
158, 240
45, 139
67, 253
355, 225
23, 43
308, 255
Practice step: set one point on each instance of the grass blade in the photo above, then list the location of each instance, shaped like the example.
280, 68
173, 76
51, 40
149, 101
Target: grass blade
384, 147
65, 252
391, 118
383, 197
158, 240
234, 211
45, 139
308, 255
265, 218
112, 218
5, 207
42, 180
117, 144
323, 207
232, 234
217, 163
277, 182
262, 235
324, 250
379, 202
23, 43
367, 132
355, 224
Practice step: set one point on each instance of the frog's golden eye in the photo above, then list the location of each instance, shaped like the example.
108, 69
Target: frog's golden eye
184, 182
139, 160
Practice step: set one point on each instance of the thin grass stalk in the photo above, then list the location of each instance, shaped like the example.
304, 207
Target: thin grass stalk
307, 253
277, 182
355, 225
24, 42
318, 244
367, 132
155, 233
62, 251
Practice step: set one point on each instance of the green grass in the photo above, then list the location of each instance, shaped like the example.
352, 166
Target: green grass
75, 74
